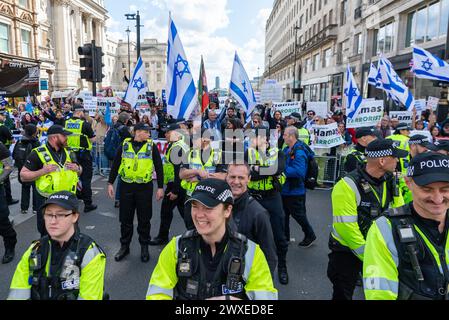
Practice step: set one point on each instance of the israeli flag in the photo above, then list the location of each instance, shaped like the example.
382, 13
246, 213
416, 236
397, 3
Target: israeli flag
29, 106
241, 88
394, 86
374, 77
352, 94
180, 90
427, 66
138, 84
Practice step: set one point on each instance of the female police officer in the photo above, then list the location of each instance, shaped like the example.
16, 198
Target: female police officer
65, 264
211, 262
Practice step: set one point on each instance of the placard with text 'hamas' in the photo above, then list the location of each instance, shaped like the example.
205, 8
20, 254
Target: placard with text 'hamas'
367, 115
327, 136
402, 116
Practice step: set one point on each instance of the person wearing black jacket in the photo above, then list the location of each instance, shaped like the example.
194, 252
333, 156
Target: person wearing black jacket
20, 153
136, 161
7, 139
248, 216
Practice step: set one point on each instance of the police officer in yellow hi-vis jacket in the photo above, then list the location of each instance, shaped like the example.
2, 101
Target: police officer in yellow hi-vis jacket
211, 261
136, 161
65, 264
357, 199
407, 251
53, 168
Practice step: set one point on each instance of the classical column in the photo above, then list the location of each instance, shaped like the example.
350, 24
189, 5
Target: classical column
62, 43
89, 28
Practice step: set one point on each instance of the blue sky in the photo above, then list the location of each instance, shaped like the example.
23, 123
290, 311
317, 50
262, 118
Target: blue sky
214, 29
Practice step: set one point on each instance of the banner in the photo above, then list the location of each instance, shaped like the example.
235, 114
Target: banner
327, 136
432, 103
420, 106
270, 91
286, 108
402, 116
319, 107
367, 115
102, 102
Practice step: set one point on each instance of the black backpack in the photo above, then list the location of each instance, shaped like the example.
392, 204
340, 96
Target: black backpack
21, 152
310, 181
112, 142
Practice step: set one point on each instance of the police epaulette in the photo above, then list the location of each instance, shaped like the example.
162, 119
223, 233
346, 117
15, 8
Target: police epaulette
239, 236
189, 234
41, 149
399, 212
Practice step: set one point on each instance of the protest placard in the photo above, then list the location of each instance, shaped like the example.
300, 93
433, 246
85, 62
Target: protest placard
327, 136
420, 106
432, 103
270, 91
286, 108
320, 108
402, 116
367, 115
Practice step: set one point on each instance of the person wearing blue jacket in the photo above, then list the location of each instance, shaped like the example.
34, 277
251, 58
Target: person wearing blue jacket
294, 191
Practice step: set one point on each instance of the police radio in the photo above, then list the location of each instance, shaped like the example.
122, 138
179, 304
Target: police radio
233, 282
407, 237
396, 185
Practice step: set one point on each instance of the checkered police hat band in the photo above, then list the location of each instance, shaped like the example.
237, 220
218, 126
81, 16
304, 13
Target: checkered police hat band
379, 153
417, 141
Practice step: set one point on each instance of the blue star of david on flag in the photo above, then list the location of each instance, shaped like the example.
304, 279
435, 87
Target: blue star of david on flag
244, 86
427, 65
139, 84
185, 70
352, 93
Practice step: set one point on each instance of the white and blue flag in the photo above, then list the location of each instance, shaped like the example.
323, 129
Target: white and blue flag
352, 94
241, 88
428, 66
394, 86
138, 84
374, 76
180, 90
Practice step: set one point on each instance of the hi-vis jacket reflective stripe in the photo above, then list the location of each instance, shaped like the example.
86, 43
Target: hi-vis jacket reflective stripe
348, 214
195, 162
257, 276
169, 169
91, 279
382, 262
255, 158
304, 135
60, 180
402, 142
137, 167
75, 126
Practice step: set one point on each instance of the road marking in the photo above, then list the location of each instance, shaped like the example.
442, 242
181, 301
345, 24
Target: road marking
90, 227
97, 188
94, 192
107, 214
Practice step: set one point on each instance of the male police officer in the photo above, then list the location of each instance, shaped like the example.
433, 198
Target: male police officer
265, 185
295, 120
419, 144
407, 252
6, 228
357, 199
65, 264
174, 196
357, 155
212, 261
136, 162
80, 142
53, 169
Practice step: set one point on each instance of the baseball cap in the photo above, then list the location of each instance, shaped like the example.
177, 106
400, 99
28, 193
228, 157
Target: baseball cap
142, 126
403, 126
384, 148
295, 115
429, 167
212, 192
57, 129
442, 145
64, 199
365, 131
422, 140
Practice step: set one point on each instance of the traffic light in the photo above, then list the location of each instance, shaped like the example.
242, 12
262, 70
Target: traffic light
98, 64
86, 53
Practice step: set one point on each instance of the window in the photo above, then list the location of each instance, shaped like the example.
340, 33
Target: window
23, 3
327, 58
26, 35
384, 39
324, 90
308, 66
324, 21
358, 44
340, 53
319, 26
4, 38
123, 65
331, 17
344, 12
316, 62
158, 64
427, 24
147, 65
158, 76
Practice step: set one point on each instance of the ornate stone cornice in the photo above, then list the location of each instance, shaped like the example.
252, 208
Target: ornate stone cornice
65, 3
6, 8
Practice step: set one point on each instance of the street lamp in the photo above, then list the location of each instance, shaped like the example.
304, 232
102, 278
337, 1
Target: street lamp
294, 65
258, 78
133, 16
129, 57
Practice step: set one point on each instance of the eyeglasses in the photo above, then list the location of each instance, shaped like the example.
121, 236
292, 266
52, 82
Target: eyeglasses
316, 120
57, 217
256, 121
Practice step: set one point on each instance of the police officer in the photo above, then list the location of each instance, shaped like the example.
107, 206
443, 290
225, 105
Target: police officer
64, 265
136, 162
407, 251
212, 261
357, 155
6, 228
419, 144
53, 168
174, 196
80, 142
358, 199
249, 217
267, 167
7, 139
295, 120
401, 137
203, 162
